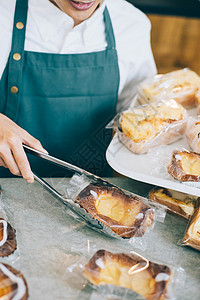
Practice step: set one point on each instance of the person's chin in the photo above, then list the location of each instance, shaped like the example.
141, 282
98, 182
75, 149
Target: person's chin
79, 14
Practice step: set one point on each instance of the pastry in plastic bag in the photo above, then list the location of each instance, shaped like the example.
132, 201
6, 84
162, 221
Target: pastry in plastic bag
176, 202
197, 101
12, 284
129, 271
193, 133
8, 242
181, 85
126, 215
151, 125
192, 234
184, 165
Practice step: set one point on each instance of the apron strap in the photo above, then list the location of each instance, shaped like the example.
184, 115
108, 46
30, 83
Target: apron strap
16, 59
110, 37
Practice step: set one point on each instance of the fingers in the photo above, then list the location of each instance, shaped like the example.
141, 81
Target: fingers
29, 140
2, 163
22, 163
12, 154
15, 159
8, 160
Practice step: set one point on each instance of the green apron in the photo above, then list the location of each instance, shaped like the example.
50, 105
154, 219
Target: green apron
63, 100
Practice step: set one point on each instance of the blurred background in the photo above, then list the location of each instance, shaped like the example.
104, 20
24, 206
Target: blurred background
175, 32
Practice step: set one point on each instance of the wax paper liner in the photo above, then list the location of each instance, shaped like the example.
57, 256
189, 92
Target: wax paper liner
192, 234
74, 274
176, 202
147, 126
80, 183
181, 85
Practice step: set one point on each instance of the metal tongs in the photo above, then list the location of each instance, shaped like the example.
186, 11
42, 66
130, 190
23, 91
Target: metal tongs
63, 164
68, 202
73, 206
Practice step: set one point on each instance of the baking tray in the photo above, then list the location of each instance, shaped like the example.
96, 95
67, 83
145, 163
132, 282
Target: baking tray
150, 167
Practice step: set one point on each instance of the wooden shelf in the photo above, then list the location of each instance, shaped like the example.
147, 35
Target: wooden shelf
175, 42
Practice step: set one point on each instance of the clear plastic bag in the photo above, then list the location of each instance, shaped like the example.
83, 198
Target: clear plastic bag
124, 276
197, 101
176, 202
193, 133
147, 126
192, 234
119, 213
185, 166
8, 242
181, 85
12, 283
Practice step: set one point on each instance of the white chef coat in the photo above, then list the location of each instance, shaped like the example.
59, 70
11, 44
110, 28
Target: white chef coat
50, 30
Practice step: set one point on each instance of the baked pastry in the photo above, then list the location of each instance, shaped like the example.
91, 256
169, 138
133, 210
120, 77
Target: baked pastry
197, 101
118, 269
184, 165
152, 125
127, 216
192, 235
12, 284
181, 85
176, 202
8, 242
193, 133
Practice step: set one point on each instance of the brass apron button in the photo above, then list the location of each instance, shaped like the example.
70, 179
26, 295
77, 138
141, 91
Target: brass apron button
20, 25
14, 89
16, 56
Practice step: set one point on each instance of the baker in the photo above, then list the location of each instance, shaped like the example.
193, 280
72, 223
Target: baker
66, 67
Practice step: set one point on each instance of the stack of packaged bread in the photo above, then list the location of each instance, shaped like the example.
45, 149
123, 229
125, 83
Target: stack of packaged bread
168, 109
163, 116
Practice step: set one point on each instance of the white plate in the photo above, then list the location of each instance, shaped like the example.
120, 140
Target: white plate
149, 167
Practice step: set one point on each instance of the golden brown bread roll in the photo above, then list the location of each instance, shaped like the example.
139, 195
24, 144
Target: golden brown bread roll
176, 202
12, 284
118, 269
127, 216
152, 125
184, 165
181, 85
192, 235
8, 242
